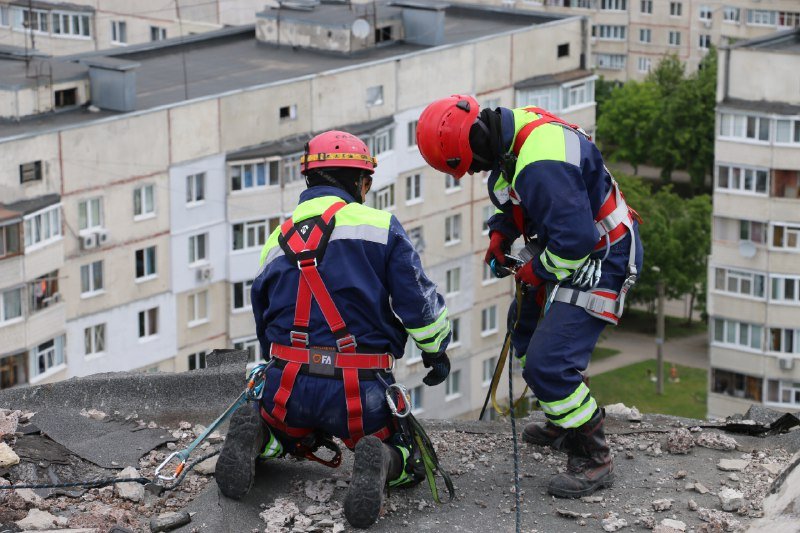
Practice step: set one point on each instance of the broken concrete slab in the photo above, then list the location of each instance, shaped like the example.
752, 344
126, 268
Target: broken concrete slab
169, 521
206, 467
38, 520
732, 465
8, 422
7, 456
730, 499
680, 441
782, 506
129, 491
715, 441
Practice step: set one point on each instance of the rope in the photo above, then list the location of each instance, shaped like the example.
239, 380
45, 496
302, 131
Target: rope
516, 448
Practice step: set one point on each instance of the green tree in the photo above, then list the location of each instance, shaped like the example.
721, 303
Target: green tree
626, 122
668, 77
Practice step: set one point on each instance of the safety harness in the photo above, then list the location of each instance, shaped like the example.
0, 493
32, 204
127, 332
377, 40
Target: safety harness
304, 243
614, 221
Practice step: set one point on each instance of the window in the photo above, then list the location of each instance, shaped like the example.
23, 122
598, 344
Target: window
675, 9
73, 24
197, 309
253, 348
119, 32
787, 131
241, 295
198, 248
761, 17
383, 34
488, 275
491, 103
609, 32
705, 13
47, 356
35, 19
487, 212
788, 19
614, 5
645, 35
730, 14
787, 237
374, 96
413, 353
752, 231
290, 168
739, 282
737, 385
13, 368
744, 127
577, 95
92, 278
645, 64
197, 360
455, 330
288, 112
488, 370
148, 323
43, 226
9, 239
743, 179
451, 183
3, 22
30, 172
146, 263
610, 61
785, 289
157, 33
784, 340
415, 397
413, 188
43, 292
383, 141
739, 334
453, 385
674, 38
384, 198
94, 340
562, 50
452, 229
544, 98
90, 214
254, 175
196, 188
10, 304
704, 41
453, 281
412, 133
144, 204
784, 392
66, 97
489, 320
253, 234
416, 238
646, 7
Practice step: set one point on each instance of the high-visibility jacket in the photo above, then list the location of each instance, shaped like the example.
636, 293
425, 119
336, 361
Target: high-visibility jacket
373, 274
560, 182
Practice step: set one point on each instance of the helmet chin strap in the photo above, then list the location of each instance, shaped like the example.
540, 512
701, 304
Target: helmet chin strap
356, 193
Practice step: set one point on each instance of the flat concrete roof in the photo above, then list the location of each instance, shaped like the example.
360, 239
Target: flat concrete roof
232, 59
553, 79
760, 106
33, 204
783, 41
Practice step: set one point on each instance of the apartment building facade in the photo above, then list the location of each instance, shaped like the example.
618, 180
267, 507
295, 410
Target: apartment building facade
754, 268
629, 37
161, 207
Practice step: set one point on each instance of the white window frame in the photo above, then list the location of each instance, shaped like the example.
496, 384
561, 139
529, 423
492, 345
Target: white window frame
455, 332
783, 388
676, 9
579, 95
705, 13
731, 14
451, 184
245, 287
411, 132
157, 33
413, 186
733, 328
645, 35
452, 229
381, 141
147, 210
4, 319
674, 38
778, 284
90, 288
610, 61
5, 17
415, 395
413, 353
374, 97
119, 28
489, 320
194, 249
292, 113
290, 168
741, 176
254, 228
197, 307
254, 166
646, 7
645, 64
148, 322
613, 5
609, 32
740, 278
149, 257
704, 41
47, 222
487, 212
487, 277
78, 25
762, 17
452, 281
89, 209
749, 224
487, 370
196, 189
384, 198
452, 387
787, 336
546, 98
94, 341
793, 130
253, 348
417, 237
54, 358
790, 229
198, 359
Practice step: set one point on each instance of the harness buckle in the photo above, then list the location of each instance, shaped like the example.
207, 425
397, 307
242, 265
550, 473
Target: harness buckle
307, 262
346, 342
298, 337
406, 400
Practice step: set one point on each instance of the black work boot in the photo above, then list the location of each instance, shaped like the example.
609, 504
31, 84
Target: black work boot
375, 463
547, 434
589, 464
236, 467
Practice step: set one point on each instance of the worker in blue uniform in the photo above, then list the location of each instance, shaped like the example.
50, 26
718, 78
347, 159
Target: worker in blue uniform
583, 253
339, 290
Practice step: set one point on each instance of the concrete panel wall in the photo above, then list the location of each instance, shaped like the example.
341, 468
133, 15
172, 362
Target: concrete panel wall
455, 74
184, 276
42, 148
211, 210
41, 324
215, 327
194, 130
329, 92
534, 52
492, 65
44, 260
749, 68
14, 337
11, 271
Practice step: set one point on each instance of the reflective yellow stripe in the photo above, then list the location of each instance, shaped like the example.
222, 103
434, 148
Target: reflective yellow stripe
578, 417
434, 345
567, 404
420, 334
558, 266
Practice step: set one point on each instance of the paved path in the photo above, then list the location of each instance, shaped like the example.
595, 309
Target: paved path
635, 347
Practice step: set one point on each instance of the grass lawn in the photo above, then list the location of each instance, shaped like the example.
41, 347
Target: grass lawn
631, 386
637, 321
601, 353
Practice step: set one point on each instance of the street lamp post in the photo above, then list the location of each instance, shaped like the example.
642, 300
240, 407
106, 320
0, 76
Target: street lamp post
660, 326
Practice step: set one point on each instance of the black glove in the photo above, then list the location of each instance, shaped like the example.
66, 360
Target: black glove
439, 364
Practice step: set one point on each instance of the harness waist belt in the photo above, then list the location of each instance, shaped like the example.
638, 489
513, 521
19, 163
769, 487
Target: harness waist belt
330, 357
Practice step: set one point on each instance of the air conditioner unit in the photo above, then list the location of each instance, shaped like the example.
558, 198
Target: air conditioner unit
102, 237
786, 363
88, 241
205, 273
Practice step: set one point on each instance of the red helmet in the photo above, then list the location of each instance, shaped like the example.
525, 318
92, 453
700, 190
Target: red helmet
443, 133
336, 149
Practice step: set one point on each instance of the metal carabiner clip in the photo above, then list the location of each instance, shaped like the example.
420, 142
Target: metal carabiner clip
406, 400
178, 469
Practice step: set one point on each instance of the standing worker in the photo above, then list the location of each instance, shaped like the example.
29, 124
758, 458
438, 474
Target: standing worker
550, 186
340, 288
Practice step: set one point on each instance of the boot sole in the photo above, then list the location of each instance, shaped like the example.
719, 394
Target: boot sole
236, 467
606, 482
364, 500
530, 439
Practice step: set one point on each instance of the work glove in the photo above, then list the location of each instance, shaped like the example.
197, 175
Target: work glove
499, 246
528, 276
439, 364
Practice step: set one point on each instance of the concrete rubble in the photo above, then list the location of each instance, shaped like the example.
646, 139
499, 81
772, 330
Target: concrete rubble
715, 441
730, 499
7, 456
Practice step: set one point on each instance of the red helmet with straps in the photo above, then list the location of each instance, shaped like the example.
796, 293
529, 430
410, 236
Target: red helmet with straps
443, 133
336, 149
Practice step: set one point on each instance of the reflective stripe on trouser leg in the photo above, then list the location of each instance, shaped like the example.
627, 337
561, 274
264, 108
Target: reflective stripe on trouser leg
404, 476
573, 411
273, 449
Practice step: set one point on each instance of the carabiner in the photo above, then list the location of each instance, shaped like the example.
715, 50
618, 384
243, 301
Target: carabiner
406, 400
178, 469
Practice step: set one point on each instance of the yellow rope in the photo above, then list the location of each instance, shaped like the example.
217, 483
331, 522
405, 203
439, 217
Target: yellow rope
498, 371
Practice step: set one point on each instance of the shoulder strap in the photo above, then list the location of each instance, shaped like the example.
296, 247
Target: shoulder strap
545, 117
310, 237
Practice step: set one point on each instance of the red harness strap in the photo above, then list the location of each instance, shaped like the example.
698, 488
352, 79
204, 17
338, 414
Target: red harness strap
312, 285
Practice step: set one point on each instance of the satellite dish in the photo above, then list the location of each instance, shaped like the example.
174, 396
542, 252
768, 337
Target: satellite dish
360, 28
747, 249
